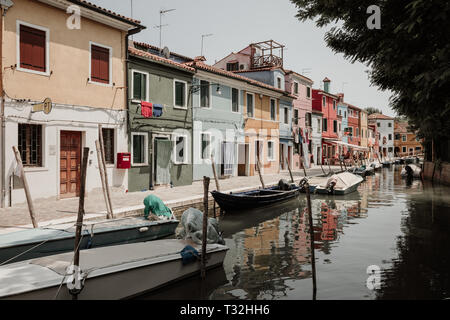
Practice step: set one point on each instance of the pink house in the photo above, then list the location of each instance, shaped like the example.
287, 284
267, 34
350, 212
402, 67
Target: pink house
300, 86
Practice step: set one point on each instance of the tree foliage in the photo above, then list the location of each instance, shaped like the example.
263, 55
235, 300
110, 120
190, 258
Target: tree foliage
409, 55
371, 110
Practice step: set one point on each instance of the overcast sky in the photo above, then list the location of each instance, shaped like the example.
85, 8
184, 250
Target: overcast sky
237, 23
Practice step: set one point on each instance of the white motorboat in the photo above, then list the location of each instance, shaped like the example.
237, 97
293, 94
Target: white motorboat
340, 184
114, 272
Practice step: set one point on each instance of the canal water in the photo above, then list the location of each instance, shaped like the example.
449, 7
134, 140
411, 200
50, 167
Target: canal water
389, 240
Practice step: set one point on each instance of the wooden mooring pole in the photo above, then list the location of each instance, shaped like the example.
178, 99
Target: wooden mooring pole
205, 225
290, 172
102, 170
311, 236
79, 225
102, 151
26, 187
259, 171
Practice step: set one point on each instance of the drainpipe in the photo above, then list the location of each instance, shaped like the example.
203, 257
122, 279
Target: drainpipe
2, 115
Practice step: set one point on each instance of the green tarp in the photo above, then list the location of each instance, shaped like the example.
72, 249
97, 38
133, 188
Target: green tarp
156, 206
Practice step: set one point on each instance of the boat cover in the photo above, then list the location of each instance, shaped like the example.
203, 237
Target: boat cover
344, 180
156, 206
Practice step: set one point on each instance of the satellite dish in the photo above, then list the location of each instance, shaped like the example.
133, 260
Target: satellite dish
166, 52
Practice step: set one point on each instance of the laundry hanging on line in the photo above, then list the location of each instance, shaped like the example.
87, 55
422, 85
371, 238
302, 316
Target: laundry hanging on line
146, 109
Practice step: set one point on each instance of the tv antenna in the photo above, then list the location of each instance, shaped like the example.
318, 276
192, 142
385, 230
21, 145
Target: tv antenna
306, 70
160, 26
343, 84
203, 37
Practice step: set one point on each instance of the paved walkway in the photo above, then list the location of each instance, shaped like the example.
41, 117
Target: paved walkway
51, 211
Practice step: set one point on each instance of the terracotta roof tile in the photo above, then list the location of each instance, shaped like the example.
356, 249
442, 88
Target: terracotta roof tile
156, 58
379, 116
149, 46
92, 6
205, 67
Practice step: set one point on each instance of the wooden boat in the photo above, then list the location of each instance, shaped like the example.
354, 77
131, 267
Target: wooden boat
315, 181
362, 171
375, 165
254, 198
114, 272
413, 169
340, 184
60, 238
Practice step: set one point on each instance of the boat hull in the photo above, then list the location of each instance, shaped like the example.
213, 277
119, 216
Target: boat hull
338, 192
61, 241
246, 200
114, 282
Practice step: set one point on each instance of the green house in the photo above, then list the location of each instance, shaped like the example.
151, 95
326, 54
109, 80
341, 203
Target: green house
159, 119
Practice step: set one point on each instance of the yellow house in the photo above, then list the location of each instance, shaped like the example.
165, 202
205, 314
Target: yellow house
363, 127
72, 55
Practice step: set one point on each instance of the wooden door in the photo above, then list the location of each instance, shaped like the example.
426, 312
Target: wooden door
70, 160
163, 155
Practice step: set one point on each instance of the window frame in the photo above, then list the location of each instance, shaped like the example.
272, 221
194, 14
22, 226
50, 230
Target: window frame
271, 159
186, 153
275, 109
209, 94
174, 94
286, 115
404, 139
296, 88
238, 100
209, 145
325, 124
145, 135
40, 165
113, 146
91, 43
279, 79
308, 92
324, 101
253, 104
133, 71
47, 48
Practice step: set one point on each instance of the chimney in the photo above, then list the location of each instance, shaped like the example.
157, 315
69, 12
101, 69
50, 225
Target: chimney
326, 85
341, 96
199, 58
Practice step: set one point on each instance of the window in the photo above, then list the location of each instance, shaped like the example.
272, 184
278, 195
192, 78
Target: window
206, 146
273, 110
180, 149
403, 137
278, 82
234, 66
308, 92
139, 147
389, 124
345, 114
295, 116
250, 111
403, 149
235, 100
390, 136
204, 94
296, 87
286, 115
325, 124
378, 124
334, 126
308, 119
140, 86
270, 155
318, 125
180, 93
30, 144
334, 104
108, 144
339, 127
100, 64
340, 112
323, 101
397, 136
33, 48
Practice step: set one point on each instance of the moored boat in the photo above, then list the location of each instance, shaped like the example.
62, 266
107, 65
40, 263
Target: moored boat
411, 170
16, 246
254, 198
114, 272
340, 184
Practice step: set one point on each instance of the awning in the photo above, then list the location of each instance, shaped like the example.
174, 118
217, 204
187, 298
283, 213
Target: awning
338, 142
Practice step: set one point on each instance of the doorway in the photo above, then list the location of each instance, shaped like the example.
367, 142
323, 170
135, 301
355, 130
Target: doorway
70, 164
162, 160
243, 159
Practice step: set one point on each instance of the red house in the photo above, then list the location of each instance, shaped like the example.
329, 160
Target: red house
353, 125
326, 102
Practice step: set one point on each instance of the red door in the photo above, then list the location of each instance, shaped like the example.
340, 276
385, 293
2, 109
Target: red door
70, 160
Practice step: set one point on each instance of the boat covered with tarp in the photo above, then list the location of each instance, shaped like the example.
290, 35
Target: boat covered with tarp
107, 273
411, 170
339, 184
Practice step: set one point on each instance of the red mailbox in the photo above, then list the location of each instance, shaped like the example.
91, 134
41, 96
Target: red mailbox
124, 160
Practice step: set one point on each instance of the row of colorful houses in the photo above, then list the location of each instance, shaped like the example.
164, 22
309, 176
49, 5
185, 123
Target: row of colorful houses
171, 115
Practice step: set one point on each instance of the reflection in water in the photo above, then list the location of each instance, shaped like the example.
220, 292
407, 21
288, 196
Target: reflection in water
402, 226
